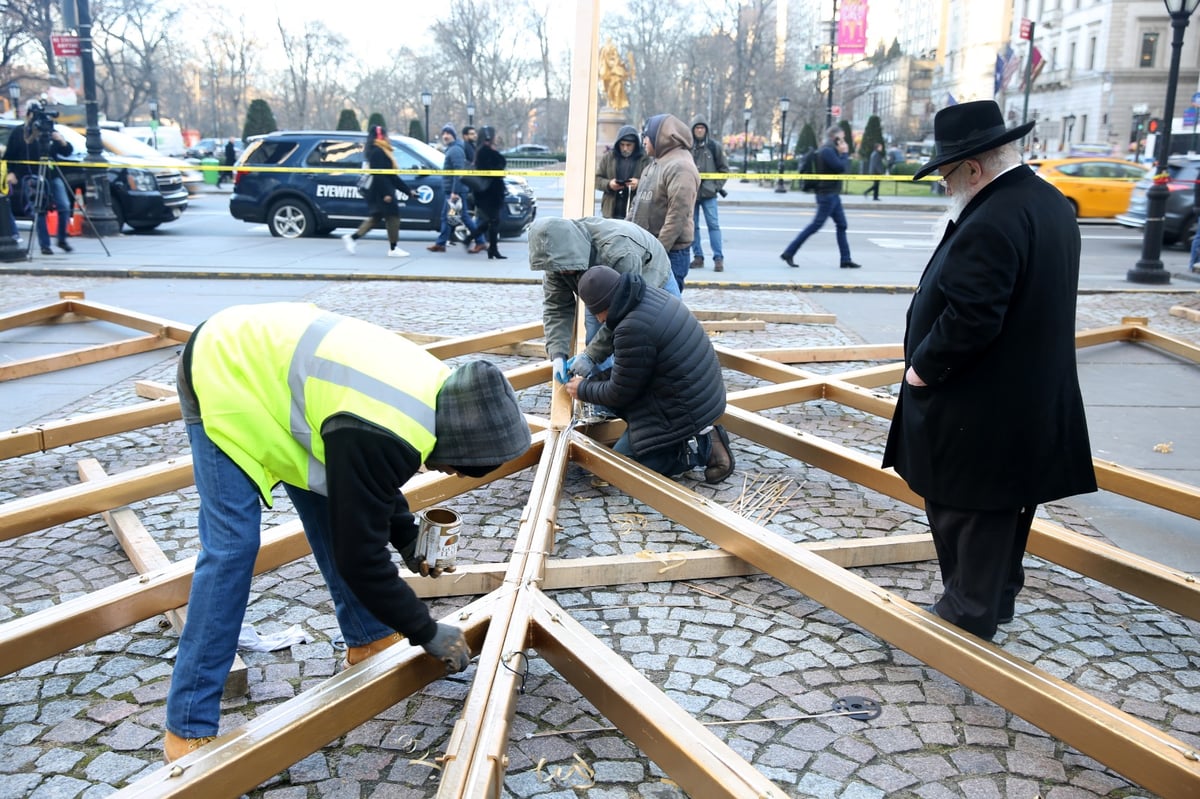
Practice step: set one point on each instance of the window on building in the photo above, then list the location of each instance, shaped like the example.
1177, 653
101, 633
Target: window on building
1082, 127
1091, 62
1071, 58
1149, 48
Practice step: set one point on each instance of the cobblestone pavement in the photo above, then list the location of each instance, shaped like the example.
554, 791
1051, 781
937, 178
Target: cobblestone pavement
748, 650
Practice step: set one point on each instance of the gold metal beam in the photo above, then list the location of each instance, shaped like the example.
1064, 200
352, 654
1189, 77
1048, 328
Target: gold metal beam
700, 762
1146, 755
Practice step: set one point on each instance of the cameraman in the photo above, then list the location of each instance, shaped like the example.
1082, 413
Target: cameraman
30, 143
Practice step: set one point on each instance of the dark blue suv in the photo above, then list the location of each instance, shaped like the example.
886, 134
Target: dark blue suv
304, 183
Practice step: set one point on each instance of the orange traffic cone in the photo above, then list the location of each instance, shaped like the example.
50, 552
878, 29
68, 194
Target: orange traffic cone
52, 222
75, 226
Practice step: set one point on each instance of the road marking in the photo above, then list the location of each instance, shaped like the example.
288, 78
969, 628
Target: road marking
902, 244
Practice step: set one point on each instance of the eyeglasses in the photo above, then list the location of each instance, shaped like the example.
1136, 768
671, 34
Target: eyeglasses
946, 177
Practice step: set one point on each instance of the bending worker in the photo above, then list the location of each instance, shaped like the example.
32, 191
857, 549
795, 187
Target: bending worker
343, 413
564, 249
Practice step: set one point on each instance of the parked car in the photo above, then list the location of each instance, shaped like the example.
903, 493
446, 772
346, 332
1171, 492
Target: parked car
1095, 186
118, 142
144, 195
527, 151
1179, 221
316, 191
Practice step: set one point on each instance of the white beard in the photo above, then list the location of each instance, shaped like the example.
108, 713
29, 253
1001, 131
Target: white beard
958, 201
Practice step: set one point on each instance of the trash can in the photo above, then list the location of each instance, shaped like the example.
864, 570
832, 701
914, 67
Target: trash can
211, 176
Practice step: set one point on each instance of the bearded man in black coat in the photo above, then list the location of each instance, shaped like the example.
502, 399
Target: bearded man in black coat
665, 381
990, 419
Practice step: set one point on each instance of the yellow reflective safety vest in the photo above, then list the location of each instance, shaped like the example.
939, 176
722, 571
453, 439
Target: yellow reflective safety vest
268, 377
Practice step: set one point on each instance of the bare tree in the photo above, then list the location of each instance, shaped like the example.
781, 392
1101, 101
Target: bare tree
485, 62
314, 60
130, 39
35, 19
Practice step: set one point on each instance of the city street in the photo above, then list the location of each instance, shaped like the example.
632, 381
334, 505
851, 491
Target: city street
891, 238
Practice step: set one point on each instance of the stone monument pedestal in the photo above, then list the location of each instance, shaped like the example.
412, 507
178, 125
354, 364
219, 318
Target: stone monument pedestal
608, 122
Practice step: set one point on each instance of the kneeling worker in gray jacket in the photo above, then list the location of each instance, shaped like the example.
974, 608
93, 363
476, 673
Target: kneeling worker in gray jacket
665, 381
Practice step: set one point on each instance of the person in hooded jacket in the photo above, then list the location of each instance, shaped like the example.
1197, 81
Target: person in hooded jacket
383, 204
564, 249
665, 381
619, 171
490, 200
343, 413
709, 157
666, 198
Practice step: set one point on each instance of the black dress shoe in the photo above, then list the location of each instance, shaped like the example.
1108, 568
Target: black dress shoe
787, 259
47, 251
64, 246
850, 265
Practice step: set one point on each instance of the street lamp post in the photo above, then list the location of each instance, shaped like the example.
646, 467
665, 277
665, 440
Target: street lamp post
745, 144
780, 188
427, 100
471, 114
1150, 268
1070, 120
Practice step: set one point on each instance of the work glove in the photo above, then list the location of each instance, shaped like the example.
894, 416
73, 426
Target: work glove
581, 365
560, 369
417, 564
450, 647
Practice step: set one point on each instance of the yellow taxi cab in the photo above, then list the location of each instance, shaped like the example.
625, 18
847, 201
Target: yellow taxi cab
1096, 186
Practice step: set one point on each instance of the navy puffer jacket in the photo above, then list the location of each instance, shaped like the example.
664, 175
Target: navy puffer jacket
666, 381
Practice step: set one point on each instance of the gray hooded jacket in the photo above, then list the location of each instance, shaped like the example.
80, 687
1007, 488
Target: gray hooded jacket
565, 248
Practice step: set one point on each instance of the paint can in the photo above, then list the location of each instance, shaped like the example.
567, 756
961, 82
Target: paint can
437, 537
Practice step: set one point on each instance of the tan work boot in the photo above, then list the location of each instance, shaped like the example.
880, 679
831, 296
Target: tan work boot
175, 747
718, 264
698, 262
357, 654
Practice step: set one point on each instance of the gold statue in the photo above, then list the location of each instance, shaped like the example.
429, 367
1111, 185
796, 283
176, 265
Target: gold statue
613, 74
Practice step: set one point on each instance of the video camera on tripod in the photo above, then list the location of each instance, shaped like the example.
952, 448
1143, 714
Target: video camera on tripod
43, 119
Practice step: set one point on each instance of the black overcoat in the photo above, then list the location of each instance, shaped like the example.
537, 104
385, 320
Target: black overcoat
991, 330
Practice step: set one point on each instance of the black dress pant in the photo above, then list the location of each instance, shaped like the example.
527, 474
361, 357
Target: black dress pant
979, 553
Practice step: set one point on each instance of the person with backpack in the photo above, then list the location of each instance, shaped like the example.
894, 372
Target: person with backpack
832, 159
709, 158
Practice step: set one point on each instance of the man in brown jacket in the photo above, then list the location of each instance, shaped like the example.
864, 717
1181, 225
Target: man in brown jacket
667, 193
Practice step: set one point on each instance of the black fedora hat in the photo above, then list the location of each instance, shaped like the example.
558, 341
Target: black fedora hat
967, 129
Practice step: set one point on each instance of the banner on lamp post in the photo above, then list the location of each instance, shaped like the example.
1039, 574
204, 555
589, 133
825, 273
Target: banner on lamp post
852, 27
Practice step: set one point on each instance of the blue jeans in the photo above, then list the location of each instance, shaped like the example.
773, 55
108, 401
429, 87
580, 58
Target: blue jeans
670, 461
680, 264
1195, 252
447, 232
230, 522
709, 207
60, 202
828, 205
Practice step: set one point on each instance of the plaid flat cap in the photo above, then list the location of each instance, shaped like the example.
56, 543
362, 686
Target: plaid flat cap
478, 421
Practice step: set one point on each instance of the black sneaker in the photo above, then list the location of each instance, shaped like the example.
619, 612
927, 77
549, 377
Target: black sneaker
47, 251
64, 246
850, 265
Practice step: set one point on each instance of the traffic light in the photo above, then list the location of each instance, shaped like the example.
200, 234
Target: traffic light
1153, 125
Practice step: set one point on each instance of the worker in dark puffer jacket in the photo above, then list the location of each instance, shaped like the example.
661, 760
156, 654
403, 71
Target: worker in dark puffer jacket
665, 381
